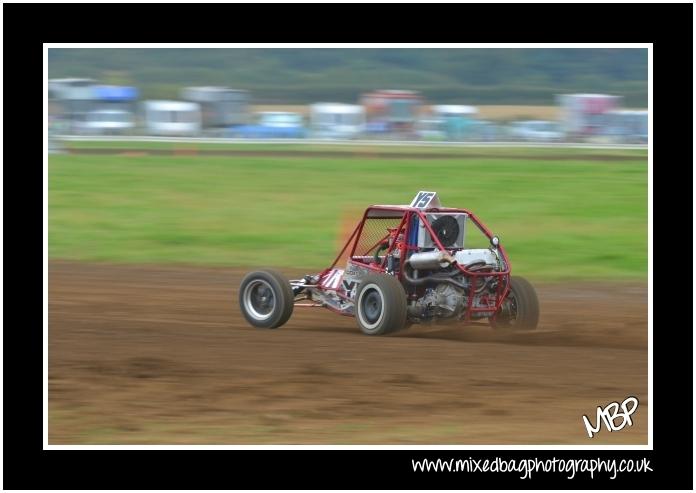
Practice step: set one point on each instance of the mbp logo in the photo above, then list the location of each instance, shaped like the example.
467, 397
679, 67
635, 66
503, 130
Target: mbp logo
609, 415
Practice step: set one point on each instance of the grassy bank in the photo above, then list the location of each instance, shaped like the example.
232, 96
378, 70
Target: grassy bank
578, 217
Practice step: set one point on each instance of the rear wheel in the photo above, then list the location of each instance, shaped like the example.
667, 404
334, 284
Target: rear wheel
520, 310
380, 305
266, 299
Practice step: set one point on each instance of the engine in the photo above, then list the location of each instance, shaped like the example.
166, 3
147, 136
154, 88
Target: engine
443, 301
441, 291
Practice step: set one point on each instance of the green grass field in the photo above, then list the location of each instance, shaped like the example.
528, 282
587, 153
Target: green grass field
578, 217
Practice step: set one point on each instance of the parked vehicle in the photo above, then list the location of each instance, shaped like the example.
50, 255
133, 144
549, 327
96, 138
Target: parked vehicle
221, 107
536, 131
106, 122
484, 131
174, 118
406, 264
272, 125
627, 126
457, 120
448, 122
337, 120
55, 128
431, 129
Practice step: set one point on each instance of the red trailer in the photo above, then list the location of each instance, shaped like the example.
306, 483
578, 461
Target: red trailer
392, 111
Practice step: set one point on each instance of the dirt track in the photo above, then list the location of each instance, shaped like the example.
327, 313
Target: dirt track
142, 354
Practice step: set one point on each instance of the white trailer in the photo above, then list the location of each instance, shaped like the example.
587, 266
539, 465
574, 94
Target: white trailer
176, 118
337, 120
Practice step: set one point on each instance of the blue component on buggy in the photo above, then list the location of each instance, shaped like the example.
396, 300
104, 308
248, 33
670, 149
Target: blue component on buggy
413, 231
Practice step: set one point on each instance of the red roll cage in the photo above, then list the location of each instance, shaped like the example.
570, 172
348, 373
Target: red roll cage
403, 230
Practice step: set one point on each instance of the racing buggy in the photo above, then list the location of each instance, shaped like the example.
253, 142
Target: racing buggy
403, 265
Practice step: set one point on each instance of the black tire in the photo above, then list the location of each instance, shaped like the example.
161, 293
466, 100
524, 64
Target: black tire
521, 308
380, 305
266, 299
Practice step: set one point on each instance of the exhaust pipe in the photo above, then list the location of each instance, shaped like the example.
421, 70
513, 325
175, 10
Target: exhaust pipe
430, 260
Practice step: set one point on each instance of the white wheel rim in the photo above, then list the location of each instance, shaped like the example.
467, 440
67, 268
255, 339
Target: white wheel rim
249, 303
363, 292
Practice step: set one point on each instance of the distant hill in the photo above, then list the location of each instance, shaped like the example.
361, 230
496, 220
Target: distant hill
299, 76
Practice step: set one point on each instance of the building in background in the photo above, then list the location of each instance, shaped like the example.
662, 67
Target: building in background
584, 116
70, 101
85, 107
392, 112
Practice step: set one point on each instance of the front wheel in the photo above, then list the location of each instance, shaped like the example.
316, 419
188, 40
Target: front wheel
520, 310
266, 299
380, 305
